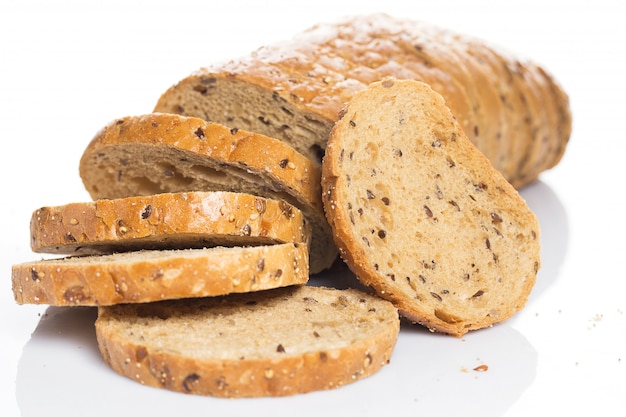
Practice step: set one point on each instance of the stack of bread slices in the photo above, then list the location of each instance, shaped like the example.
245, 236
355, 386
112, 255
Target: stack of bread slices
196, 251
203, 241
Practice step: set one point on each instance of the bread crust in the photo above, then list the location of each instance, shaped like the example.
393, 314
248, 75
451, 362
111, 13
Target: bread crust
147, 276
297, 88
261, 362
169, 220
465, 264
153, 153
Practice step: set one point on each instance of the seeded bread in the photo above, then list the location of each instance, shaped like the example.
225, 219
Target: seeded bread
146, 276
510, 108
275, 343
421, 216
157, 153
166, 221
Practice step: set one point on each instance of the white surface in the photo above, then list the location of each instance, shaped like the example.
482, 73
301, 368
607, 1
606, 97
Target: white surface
69, 67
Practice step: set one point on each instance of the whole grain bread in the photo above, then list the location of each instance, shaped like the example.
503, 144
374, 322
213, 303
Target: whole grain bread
146, 276
420, 215
509, 107
156, 153
166, 221
272, 343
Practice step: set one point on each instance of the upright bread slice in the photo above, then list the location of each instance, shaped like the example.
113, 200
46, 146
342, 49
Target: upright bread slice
145, 276
420, 215
273, 343
294, 90
158, 153
166, 221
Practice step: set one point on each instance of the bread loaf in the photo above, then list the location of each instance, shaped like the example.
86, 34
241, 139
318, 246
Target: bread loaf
158, 153
146, 276
509, 107
274, 343
421, 216
166, 221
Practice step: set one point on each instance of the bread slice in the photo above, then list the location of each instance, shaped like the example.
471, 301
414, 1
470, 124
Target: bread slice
146, 276
420, 215
294, 90
272, 343
166, 221
158, 153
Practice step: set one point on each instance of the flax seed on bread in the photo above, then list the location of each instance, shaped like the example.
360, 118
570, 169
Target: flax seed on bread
272, 343
421, 216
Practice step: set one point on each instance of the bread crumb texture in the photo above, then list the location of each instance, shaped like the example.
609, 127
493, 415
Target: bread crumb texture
274, 343
420, 215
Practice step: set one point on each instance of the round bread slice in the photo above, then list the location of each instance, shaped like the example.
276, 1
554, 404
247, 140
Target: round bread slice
157, 153
420, 215
145, 276
272, 343
166, 221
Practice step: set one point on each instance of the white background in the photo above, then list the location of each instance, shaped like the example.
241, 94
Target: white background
69, 67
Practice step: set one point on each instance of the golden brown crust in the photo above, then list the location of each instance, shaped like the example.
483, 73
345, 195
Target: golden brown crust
421, 216
504, 125
301, 354
559, 118
146, 276
303, 84
170, 220
155, 153
528, 152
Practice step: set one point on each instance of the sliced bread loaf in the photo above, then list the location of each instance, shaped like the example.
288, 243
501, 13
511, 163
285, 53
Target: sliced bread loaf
273, 343
158, 153
145, 276
421, 216
294, 90
166, 221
